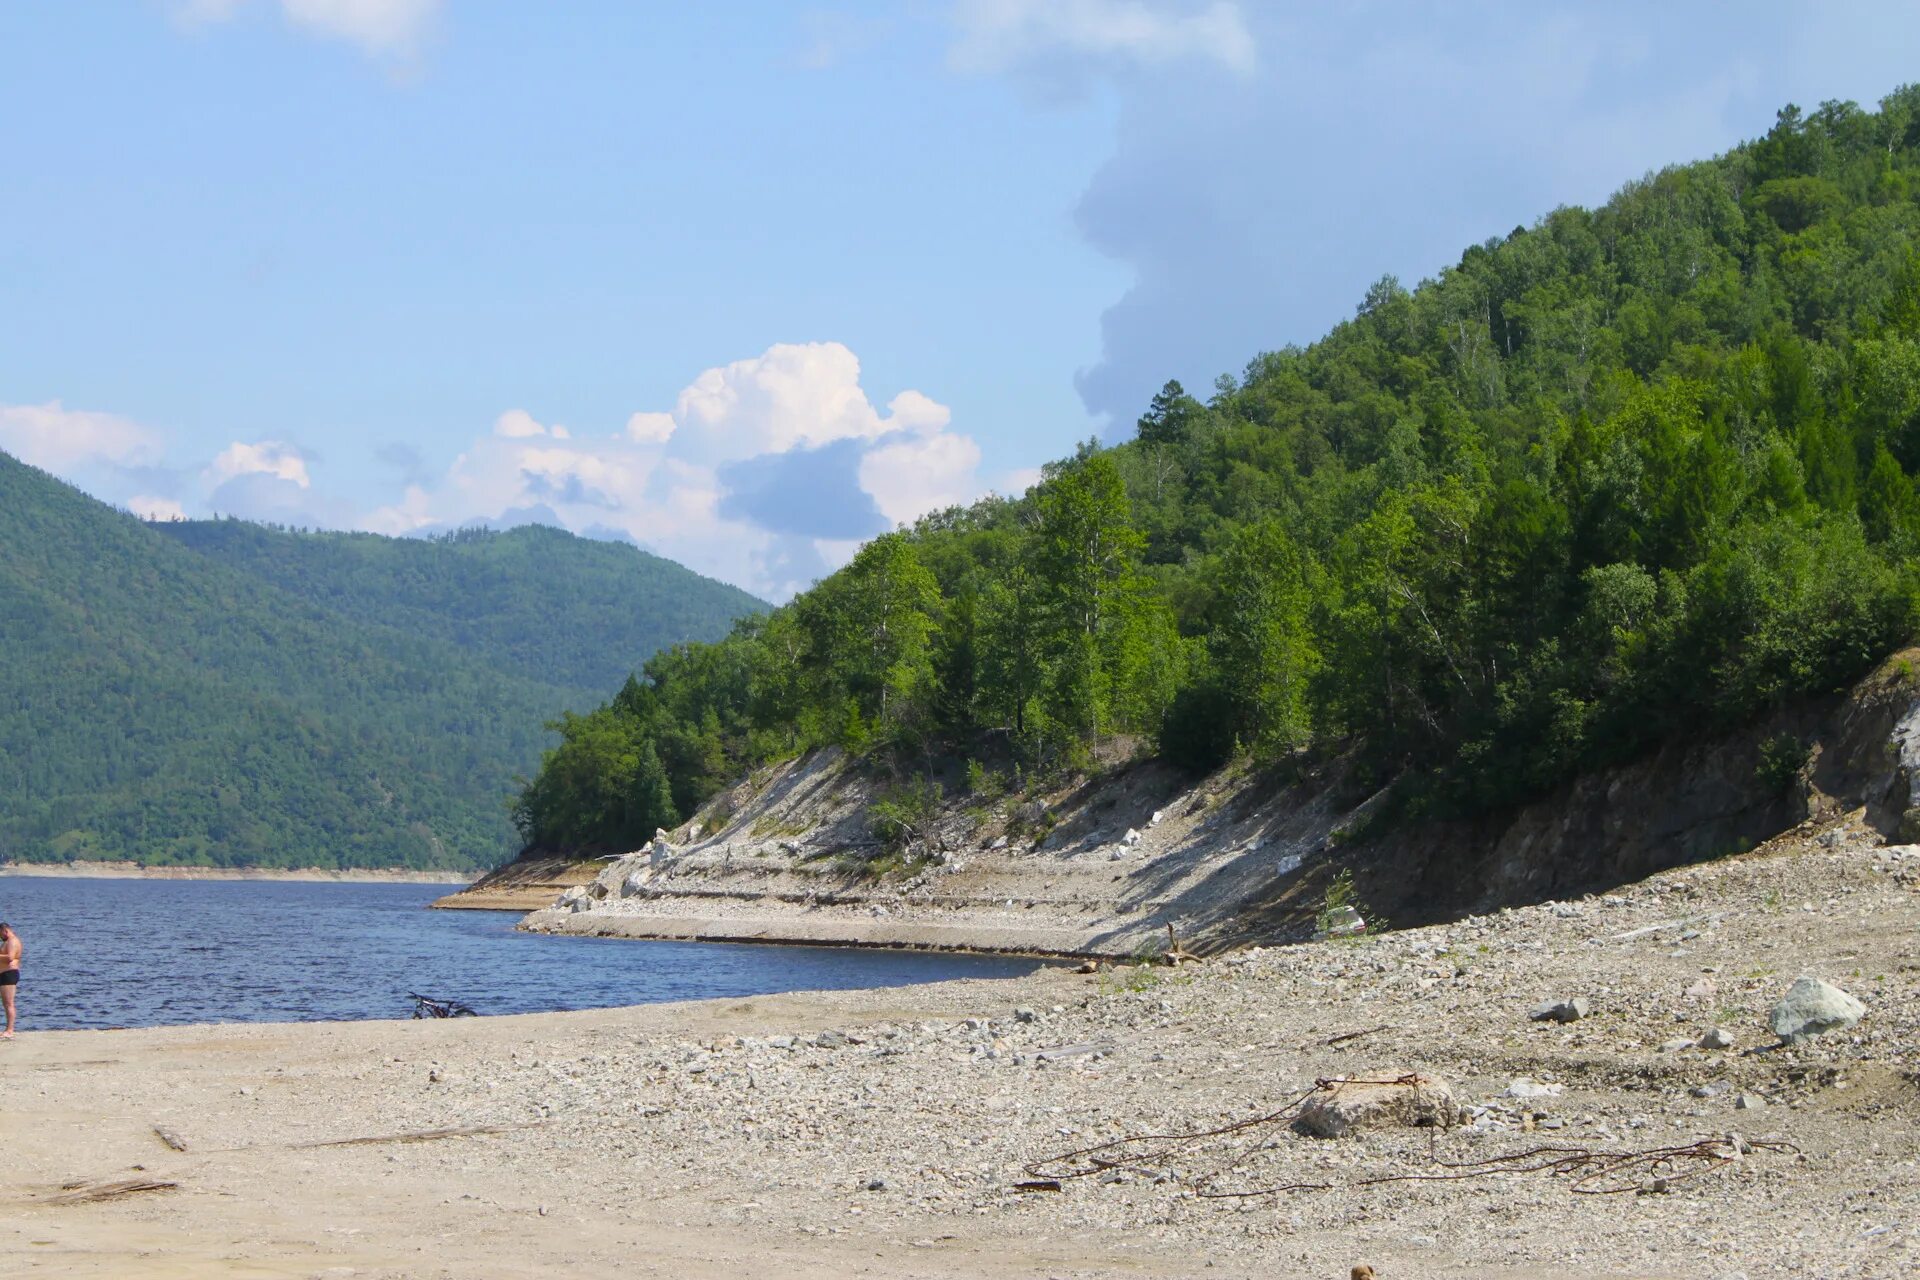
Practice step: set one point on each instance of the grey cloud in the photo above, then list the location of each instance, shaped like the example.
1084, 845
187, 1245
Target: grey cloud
1255, 212
813, 493
568, 491
405, 461
258, 496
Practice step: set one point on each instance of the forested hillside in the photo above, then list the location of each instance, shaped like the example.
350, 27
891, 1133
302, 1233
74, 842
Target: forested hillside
1629, 473
279, 699
535, 601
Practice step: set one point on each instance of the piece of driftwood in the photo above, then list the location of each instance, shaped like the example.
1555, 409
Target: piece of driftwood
1175, 953
94, 1192
169, 1137
417, 1135
1345, 1036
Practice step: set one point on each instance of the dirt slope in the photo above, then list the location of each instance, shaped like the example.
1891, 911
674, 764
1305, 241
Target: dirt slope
1104, 866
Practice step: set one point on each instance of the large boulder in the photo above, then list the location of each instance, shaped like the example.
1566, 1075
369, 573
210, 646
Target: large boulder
1340, 1107
1812, 1007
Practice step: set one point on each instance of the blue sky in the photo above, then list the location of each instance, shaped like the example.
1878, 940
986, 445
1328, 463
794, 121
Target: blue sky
750, 282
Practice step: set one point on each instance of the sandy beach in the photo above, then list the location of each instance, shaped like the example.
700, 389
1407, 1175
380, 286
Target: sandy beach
886, 1133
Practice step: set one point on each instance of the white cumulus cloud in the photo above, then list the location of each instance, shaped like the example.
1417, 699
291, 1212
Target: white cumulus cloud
149, 507
767, 471
920, 474
380, 27
58, 439
273, 458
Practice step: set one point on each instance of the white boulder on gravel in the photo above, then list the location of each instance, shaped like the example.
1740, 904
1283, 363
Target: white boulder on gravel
1812, 1007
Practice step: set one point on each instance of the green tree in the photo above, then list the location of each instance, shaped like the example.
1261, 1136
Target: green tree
1170, 417
1261, 644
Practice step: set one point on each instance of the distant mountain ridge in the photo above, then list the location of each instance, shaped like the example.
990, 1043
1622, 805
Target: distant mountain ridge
232, 694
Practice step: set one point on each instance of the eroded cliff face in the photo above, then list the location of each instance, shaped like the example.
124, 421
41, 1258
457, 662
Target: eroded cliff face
1105, 866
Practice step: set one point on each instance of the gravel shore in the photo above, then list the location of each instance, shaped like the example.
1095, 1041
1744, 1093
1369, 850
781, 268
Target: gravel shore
887, 1133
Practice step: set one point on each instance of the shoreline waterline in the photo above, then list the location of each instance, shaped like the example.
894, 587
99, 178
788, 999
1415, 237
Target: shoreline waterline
297, 875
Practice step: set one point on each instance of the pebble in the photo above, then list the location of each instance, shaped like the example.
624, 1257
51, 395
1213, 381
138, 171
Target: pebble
1561, 1010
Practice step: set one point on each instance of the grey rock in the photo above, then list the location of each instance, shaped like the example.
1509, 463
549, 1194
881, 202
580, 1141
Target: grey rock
1812, 1007
1024, 1014
1715, 1038
1675, 1046
1749, 1102
1339, 1108
1561, 1010
831, 1040
875, 1184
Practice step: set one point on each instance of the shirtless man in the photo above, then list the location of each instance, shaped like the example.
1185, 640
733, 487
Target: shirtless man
10, 951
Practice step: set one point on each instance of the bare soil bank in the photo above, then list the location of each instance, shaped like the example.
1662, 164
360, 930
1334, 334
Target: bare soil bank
1103, 866
134, 871
525, 884
886, 1133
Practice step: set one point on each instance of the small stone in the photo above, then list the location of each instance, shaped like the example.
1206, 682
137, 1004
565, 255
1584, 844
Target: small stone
1653, 1187
1130, 839
1561, 1010
831, 1040
1715, 1038
999, 842
1024, 1014
1812, 1007
1749, 1102
1713, 1090
1525, 1088
1675, 1046
875, 1184
1704, 989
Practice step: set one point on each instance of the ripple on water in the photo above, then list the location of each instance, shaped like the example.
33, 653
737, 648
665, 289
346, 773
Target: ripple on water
132, 953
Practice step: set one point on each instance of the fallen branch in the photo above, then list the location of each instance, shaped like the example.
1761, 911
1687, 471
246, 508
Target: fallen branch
416, 1135
1176, 954
1649, 1170
169, 1137
93, 1193
1345, 1036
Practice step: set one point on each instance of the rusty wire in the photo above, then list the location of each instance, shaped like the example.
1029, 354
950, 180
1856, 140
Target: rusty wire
1592, 1172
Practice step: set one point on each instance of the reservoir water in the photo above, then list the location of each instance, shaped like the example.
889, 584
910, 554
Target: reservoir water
136, 953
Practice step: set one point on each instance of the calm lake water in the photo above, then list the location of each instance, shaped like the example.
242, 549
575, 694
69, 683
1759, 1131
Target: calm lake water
136, 953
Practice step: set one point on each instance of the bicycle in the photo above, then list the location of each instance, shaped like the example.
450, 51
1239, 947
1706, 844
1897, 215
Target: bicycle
429, 1007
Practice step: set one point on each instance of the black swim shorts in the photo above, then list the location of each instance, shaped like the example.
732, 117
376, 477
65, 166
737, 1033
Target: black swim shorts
11, 978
